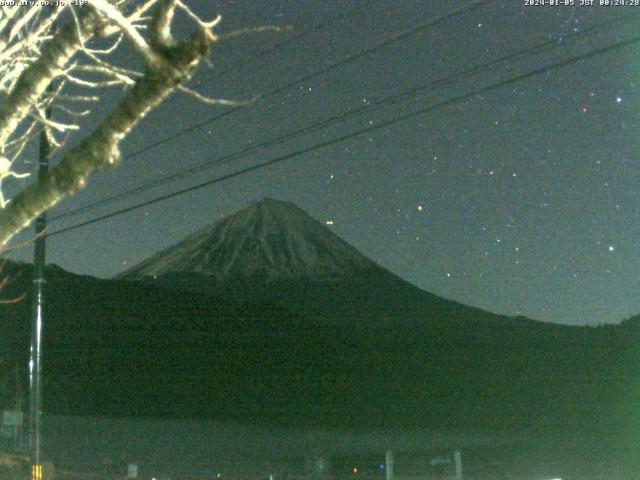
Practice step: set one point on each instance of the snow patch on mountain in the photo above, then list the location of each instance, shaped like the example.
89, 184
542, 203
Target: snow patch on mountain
270, 240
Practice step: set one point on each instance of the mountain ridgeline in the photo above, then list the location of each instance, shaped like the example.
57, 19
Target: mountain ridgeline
273, 252
268, 316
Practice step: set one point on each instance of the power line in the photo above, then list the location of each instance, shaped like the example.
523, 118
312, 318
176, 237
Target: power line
400, 96
343, 61
398, 119
265, 53
347, 59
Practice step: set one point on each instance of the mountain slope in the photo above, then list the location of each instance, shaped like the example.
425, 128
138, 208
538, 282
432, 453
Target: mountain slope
192, 333
134, 349
427, 358
270, 240
273, 252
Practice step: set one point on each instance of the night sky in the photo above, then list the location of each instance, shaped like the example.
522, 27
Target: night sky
522, 200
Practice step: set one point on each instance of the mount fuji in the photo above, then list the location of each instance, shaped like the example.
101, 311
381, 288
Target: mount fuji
268, 241
375, 332
267, 315
274, 252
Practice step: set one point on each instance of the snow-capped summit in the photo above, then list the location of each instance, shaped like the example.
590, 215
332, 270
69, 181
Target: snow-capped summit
271, 240
272, 252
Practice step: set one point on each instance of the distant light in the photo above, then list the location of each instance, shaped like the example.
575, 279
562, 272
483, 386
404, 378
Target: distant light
611, 249
329, 222
355, 469
618, 100
419, 208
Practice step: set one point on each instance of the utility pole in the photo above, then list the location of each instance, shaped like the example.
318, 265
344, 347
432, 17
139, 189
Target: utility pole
389, 465
35, 360
457, 457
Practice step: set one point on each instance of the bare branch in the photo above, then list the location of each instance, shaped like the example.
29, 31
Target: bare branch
36, 78
32, 68
111, 71
105, 51
136, 16
94, 84
101, 148
58, 126
77, 98
6, 172
4, 283
12, 300
20, 245
18, 145
161, 26
212, 101
129, 30
70, 112
245, 31
205, 25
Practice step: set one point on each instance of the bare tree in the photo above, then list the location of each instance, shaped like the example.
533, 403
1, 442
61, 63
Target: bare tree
65, 68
